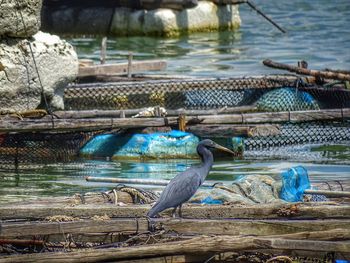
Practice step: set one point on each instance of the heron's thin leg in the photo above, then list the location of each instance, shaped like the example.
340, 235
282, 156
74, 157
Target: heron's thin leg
180, 211
173, 213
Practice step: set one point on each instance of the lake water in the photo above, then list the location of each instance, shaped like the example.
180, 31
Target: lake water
318, 31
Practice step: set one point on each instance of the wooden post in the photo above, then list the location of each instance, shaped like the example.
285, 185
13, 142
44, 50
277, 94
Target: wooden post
130, 64
103, 50
182, 122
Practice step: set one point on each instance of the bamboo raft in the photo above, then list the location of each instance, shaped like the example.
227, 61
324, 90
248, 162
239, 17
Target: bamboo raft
97, 232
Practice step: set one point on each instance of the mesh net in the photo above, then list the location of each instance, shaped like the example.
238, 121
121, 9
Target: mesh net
269, 93
20, 149
189, 94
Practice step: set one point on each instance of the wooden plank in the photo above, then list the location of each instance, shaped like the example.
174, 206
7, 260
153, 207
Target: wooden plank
250, 227
197, 245
259, 211
121, 68
82, 226
180, 226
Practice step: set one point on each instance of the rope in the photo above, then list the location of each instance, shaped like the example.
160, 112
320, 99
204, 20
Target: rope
34, 61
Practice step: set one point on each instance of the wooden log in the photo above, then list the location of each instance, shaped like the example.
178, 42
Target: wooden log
129, 112
121, 68
197, 245
304, 71
115, 123
250, 227
82, 226
185, 227
261, 211
21, 242
81, 124
229, 131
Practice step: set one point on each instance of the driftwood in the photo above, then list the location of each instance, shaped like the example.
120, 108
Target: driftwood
260, 211
121, 68
49, 124
197, 245
304, 71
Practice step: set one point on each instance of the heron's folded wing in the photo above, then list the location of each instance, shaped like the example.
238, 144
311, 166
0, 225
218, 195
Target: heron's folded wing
181, 188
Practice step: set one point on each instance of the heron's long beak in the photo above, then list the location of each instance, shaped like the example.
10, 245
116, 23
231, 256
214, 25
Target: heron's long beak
224, 149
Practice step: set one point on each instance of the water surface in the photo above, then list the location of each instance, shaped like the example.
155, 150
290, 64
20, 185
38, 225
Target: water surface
318, 31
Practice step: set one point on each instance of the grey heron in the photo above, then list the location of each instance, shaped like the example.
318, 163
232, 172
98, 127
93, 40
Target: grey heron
183, 186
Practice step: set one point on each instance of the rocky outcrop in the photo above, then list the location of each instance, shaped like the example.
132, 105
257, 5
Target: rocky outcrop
11, 14
21, 87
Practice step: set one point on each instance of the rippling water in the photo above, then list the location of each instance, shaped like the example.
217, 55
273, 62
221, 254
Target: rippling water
324, 163
318, 31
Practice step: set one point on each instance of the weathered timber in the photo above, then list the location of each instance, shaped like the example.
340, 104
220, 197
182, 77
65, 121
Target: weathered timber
228, 131
196, 245
342, 71
326, 235
130, 112
21, 242
81, 124
47, 124
304, 71
82, 226
121, 68
249, 227
261, 211
181, 226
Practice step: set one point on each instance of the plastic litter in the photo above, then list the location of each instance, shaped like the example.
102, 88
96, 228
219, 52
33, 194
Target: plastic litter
294, 182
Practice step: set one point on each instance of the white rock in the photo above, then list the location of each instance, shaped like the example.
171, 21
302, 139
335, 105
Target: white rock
20, 87
11, 14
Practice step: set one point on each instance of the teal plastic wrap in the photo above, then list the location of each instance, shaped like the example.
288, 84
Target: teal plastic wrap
174, 144
294, 182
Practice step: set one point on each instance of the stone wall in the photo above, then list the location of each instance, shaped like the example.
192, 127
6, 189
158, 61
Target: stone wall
32, 63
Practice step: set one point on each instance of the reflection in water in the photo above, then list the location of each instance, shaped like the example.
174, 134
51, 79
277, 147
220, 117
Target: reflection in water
323, 163
318, 32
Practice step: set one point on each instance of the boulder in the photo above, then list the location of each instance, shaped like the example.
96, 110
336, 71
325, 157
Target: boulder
21, 87
11, 14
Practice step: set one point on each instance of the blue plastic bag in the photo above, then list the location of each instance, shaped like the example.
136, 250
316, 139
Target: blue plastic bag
294, 182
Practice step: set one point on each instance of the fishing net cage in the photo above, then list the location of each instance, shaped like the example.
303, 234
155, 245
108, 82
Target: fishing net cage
261, 94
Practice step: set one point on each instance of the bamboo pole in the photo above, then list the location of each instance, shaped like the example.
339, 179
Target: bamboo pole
197, 245
114, 123
156, 182
130, 112
304, 71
